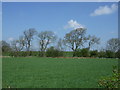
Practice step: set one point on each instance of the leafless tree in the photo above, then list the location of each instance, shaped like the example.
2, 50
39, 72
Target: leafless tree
92, 40
28, 36
113, 44
18, 45
61, 45
46, 38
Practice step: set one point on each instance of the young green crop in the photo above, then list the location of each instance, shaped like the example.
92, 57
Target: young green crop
36, 72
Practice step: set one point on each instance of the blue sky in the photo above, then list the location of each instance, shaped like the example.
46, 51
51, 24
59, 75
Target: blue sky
100, 19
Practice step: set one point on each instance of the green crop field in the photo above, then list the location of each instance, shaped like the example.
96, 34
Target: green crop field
35, 72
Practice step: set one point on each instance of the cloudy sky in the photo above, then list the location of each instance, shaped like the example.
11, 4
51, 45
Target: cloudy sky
100, 19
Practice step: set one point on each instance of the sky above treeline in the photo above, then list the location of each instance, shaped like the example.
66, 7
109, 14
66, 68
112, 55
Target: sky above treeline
100, 19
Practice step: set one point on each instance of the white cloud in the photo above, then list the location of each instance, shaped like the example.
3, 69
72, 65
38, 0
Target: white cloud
104, 10
10, 39
73, 24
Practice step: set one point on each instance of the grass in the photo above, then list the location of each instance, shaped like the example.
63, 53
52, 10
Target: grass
35, 72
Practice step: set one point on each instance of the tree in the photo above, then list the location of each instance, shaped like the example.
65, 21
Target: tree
60, 45
28, 36
92, 40
45, 38
18, 45
113, 44
5, 47
75, 38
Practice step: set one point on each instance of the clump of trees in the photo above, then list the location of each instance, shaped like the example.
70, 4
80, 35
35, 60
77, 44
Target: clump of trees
76, 40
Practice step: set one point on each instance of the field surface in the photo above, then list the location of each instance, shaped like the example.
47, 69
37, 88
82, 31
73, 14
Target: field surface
35, 72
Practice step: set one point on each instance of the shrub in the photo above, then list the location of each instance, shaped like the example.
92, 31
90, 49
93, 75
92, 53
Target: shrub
94, 53
35, 53
68, 53
110, 54
81, 52
111, 81
41, 54
117, 54
52, 52
85, 52
77, 53
101, 54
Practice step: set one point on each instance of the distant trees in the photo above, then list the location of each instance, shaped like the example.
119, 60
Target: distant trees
75, 38
18, 45
92, 40
113, 48
45, 38
28, 36
5, 47
61, 45
113, 44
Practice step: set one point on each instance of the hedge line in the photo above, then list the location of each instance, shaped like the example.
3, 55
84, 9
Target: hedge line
51, 52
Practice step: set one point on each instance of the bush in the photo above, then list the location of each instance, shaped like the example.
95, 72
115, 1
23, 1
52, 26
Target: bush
111, 81
110, 54
23, 53
85, 52
68, 53
77, 53
94, 53
52, 52
117, 54
102, 54
81, 52
41, 54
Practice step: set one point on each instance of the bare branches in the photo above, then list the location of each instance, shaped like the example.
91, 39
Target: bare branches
113, 44
18, 45
92, 40
28, 36
75, 38
46, 38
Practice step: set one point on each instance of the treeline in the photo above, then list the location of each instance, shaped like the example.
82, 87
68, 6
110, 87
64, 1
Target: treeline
52, 52
76, 40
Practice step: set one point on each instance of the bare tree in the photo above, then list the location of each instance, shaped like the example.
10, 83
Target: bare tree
28, 36
75, 38
61, 45
92, 40
18, 45
113, 44
45, 38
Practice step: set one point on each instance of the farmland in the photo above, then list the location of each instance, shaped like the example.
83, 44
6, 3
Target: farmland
36, 72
